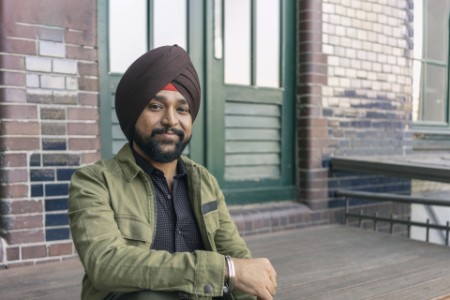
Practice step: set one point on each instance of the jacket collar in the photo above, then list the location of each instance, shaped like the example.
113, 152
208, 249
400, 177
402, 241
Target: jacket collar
127, 162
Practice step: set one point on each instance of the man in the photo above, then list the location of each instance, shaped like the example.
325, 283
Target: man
149, 223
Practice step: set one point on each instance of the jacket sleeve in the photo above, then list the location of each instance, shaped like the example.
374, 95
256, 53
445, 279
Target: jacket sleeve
228, 240
116, 265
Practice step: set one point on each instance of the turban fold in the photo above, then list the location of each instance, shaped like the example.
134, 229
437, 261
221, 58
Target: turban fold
147, 75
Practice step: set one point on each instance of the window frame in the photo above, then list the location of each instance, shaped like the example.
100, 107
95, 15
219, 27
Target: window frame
421, 125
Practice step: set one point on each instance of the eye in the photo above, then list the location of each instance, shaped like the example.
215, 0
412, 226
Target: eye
155, 106
183, 109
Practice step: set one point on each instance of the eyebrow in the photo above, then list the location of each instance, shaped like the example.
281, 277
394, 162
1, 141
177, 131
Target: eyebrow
164, 99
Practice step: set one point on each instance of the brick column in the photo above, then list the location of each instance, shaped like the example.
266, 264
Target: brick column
311, 124
49, 121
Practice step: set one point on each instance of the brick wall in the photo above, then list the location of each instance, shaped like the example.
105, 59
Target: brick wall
49, 121
354, 97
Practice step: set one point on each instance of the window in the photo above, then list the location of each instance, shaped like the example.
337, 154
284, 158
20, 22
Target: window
134, 29
430, 69
252, 40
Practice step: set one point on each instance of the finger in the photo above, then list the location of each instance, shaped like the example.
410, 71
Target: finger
265, 295
271, 289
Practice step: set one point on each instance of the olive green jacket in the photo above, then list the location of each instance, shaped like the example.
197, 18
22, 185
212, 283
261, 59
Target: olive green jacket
112, 220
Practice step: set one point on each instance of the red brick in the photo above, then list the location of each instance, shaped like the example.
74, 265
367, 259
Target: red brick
22, 31
88, 84
12, 253
15, 175
312, 142
89, 99
19, 143
74, 37
11, 62
18, 112
19, 128
30, 252
19, 47
312, 122
88, 69
12, 222
83, 114
84, 144
81, 53
12, 78
8, 94
24, 236
82, 129
26, 207
12, 160
60, 249
14, 191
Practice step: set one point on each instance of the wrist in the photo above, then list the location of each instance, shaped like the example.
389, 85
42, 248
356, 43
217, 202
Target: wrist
230, 275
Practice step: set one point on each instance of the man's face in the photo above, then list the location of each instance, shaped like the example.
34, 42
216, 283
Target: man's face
164, 127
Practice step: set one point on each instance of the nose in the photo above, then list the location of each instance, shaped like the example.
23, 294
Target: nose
169, 119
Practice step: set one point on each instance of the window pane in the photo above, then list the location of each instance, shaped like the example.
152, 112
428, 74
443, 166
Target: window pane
237, 41
127, 33
268, 43
170, 23
434, 105
437, 30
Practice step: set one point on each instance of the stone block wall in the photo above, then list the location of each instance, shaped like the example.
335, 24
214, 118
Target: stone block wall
49, 122
355, 91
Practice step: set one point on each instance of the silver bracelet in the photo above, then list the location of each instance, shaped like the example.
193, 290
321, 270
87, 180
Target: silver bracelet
229, 284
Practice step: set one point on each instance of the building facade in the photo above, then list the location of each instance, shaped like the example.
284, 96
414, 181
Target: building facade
287, 85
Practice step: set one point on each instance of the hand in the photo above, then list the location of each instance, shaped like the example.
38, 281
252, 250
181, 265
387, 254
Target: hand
256, 277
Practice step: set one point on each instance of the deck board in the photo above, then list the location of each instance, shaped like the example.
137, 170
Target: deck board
327, 262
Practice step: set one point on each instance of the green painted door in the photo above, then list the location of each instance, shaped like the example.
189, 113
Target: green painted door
250, 98
244, 53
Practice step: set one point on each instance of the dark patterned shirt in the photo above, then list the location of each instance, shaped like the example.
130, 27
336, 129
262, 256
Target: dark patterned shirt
176, 226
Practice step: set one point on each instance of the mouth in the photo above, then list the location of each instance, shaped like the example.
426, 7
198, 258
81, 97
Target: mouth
170, 134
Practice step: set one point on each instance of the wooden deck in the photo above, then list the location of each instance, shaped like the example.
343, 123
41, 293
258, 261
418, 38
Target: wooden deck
330, 262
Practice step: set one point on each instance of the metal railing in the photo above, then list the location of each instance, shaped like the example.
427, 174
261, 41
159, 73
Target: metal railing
383, 197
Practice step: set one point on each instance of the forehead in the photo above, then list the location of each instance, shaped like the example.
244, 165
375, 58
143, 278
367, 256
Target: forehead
166, 96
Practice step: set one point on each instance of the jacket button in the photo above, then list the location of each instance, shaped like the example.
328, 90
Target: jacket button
207, 288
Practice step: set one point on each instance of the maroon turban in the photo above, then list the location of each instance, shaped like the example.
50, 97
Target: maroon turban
147, 75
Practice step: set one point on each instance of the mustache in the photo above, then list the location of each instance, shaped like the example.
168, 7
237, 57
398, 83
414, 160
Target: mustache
176, 131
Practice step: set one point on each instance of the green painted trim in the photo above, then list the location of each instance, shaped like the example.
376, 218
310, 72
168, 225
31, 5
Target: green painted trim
105, 106
289, 113
150, 24
214, 101
258, 195
196, 50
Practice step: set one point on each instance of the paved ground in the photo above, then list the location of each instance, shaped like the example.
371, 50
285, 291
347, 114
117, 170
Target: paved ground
327, 262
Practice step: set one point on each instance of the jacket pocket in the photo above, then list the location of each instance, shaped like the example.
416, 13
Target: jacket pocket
212, 223
134, 229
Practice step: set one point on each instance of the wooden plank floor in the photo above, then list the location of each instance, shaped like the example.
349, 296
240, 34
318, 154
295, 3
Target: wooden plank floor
329, 262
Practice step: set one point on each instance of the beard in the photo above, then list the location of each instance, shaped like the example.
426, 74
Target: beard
154, 148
